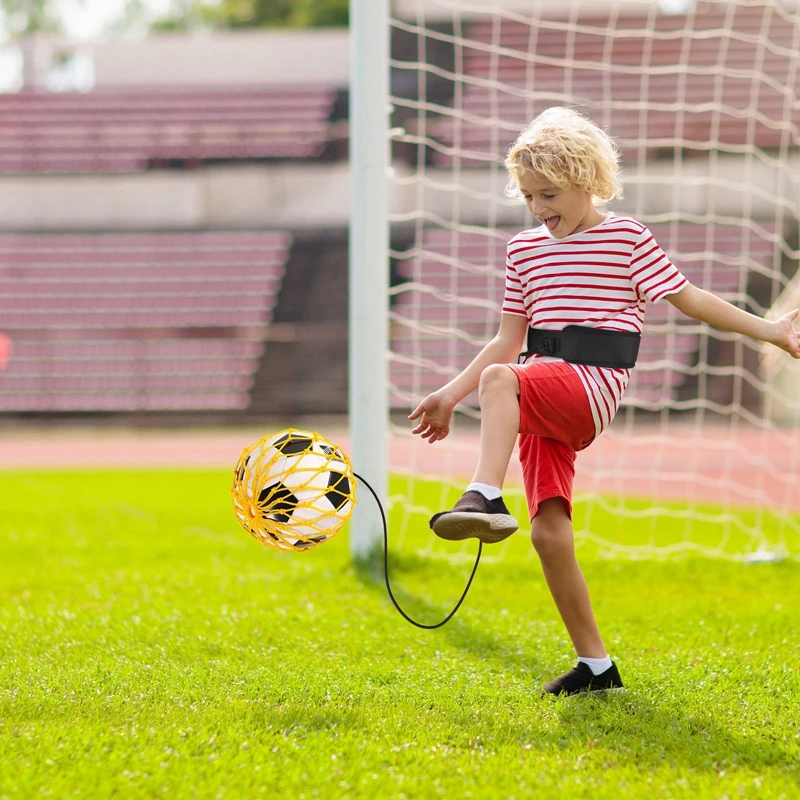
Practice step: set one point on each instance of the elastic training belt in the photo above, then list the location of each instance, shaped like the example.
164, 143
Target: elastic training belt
580, 344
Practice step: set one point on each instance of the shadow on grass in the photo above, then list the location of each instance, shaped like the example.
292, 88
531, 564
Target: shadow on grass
621, 730
475, 640
625, 728
650, 734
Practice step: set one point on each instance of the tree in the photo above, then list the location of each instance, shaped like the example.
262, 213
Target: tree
183, 15
25, 17
23, 20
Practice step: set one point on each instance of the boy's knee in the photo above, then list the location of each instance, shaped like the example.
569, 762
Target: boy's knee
544, 538
498, 376
551, 528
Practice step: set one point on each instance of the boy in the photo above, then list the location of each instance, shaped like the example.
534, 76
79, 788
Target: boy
580, 267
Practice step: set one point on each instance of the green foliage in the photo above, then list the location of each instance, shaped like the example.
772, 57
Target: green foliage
242, 14
150, 648
26, 17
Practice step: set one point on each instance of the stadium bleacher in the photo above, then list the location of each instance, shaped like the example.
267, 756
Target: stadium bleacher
112, 322
128, 129
697, 106
78, 333
439, 327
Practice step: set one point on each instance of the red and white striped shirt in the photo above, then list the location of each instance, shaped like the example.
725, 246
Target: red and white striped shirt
599, 277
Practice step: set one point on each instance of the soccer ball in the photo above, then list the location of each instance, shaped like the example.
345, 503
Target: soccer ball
293, 490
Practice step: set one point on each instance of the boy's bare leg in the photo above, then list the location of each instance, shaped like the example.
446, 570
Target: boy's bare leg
499, 399
475, 515
553, 538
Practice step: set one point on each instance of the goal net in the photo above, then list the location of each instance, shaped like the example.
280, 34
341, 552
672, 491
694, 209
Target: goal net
704, 454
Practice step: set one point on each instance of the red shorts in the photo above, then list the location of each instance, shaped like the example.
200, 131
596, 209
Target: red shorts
555, 421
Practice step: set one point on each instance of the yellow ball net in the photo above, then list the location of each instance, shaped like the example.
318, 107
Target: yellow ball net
293, 490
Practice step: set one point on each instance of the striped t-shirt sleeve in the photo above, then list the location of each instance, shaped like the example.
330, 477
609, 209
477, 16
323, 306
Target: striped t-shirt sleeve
652, 274
513, 302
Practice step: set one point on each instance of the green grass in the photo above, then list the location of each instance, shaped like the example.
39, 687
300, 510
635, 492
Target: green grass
149, 647
614, 527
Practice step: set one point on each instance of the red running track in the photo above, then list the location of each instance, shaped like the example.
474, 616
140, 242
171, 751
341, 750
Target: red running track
718, 465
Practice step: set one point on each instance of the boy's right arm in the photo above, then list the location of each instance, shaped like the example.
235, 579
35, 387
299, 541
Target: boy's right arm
436, 410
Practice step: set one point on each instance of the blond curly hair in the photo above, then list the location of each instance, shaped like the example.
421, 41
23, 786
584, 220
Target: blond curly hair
567, 149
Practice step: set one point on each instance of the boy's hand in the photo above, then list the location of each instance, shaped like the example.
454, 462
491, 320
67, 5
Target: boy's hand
786, 337
436, 411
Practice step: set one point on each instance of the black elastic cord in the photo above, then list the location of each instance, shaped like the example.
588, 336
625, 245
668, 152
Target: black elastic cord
386, 568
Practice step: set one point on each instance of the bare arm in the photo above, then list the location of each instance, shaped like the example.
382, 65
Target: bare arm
707, 307
504, 347
436, 409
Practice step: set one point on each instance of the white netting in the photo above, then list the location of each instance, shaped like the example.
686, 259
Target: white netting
704, 106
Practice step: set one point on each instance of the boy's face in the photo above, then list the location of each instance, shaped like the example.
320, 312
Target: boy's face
563, 211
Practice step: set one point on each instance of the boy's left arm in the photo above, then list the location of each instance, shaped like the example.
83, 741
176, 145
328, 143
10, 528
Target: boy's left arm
707, 307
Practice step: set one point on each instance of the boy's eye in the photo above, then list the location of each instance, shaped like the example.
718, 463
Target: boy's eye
548, 196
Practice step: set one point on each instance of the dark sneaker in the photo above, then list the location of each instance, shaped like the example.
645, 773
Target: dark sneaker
581, 679
475, 517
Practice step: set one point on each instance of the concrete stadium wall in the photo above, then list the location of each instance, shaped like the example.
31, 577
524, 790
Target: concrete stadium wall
281, 196
285, 58
316, 195
313, 57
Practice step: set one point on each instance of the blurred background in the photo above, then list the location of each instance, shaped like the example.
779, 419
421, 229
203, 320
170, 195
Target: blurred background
173, 209
174, 195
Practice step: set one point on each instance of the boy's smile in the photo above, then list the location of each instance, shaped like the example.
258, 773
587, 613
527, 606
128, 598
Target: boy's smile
562, 211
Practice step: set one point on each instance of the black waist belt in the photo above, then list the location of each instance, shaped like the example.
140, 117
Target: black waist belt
580, 344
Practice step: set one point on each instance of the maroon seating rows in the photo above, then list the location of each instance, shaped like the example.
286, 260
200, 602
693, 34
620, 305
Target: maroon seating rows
136, 322
743, 37
696, 81
451, 304
129, 128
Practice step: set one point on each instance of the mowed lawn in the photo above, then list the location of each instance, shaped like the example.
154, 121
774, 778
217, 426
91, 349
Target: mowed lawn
149, 647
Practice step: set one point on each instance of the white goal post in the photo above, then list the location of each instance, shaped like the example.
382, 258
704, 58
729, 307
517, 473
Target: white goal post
369, 262
702, 98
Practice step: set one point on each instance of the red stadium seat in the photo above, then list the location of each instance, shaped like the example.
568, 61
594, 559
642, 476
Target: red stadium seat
129, 128
694, 81
130, 322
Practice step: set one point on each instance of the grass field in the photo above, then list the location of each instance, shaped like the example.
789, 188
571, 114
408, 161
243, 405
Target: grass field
149, 647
